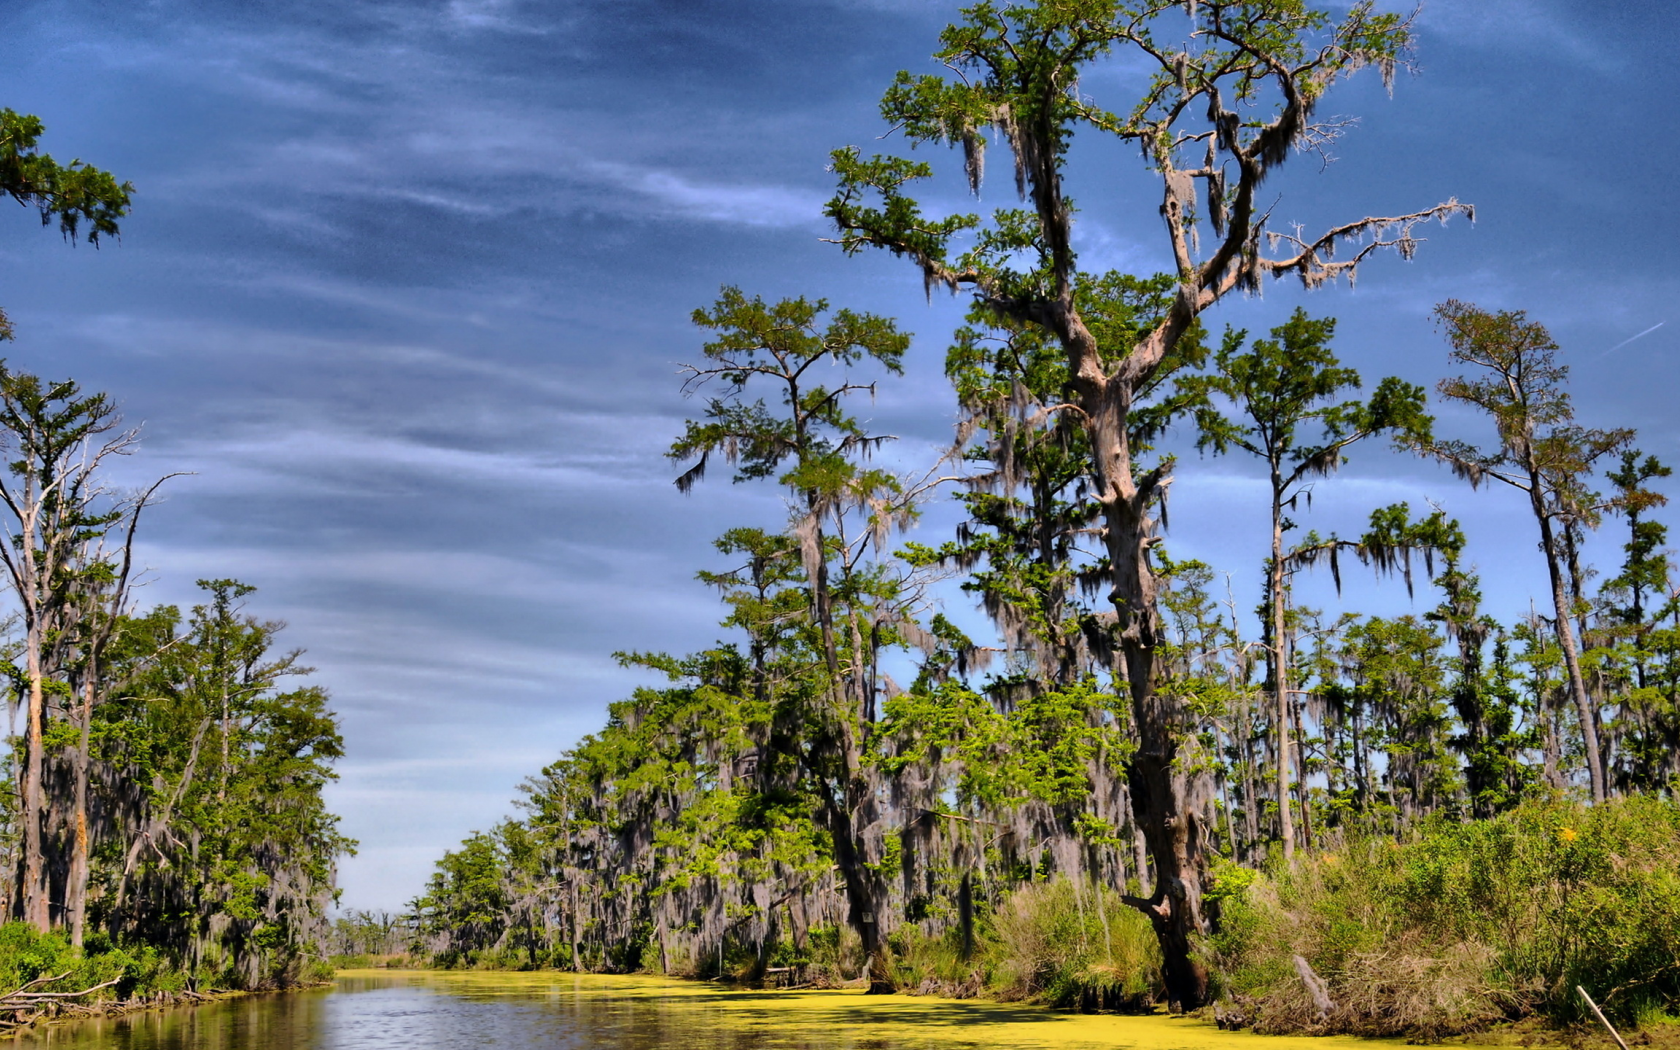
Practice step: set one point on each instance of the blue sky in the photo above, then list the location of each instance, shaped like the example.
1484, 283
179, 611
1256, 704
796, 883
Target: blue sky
407, 284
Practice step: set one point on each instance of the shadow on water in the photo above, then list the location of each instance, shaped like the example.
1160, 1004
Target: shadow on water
551, 1011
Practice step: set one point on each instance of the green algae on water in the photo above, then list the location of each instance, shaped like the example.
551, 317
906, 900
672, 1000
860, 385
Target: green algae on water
848, 1018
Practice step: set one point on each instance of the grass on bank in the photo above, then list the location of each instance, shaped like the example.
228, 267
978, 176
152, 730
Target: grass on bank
1467, 924
1458, 928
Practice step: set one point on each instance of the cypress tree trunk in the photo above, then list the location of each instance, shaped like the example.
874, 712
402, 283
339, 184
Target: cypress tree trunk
1163, 800
864, 891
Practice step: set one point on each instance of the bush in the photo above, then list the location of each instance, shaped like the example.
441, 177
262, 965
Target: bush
1465, 925
26, 956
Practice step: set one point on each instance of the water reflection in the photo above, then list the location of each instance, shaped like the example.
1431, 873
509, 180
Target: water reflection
378, 1013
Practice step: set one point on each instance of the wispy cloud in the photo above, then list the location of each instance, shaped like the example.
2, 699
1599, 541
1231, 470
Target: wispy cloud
747, 204
1543, 27
502, 16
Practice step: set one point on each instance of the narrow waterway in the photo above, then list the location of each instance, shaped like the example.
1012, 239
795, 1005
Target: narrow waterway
375, 1010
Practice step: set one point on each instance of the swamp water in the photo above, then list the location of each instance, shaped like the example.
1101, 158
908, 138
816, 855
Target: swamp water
376, 1010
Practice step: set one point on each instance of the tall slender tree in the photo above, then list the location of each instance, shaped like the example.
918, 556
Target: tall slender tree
815, 448
1541, 452
1281, 398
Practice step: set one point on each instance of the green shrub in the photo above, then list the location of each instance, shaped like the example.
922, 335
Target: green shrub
26, 956
1465, 925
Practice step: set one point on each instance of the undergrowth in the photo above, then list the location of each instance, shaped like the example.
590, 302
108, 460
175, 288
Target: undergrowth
1465, 924
1068, 945
1453, 929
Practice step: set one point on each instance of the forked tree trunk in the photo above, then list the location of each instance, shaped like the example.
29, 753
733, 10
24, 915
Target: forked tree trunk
1566, 641
1163, 791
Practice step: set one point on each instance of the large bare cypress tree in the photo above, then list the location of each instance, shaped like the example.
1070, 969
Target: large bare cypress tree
1233, 94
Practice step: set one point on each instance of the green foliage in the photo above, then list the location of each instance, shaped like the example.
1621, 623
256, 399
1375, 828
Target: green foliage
229, 769
466, 897
74, 193
125, 972
166, 789
86, 201
784, 343
1285, 385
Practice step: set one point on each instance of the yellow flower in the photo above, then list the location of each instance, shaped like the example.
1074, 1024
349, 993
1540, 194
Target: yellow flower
1330, 860
1568, 834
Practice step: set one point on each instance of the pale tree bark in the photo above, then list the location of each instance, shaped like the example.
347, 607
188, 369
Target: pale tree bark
53, 498
75, 893
35, 906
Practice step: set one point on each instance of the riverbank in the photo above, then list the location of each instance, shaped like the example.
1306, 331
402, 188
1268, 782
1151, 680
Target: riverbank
66, 1012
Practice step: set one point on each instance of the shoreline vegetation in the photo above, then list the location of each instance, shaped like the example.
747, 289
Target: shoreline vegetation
1461, 928
49, 981
161, 816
